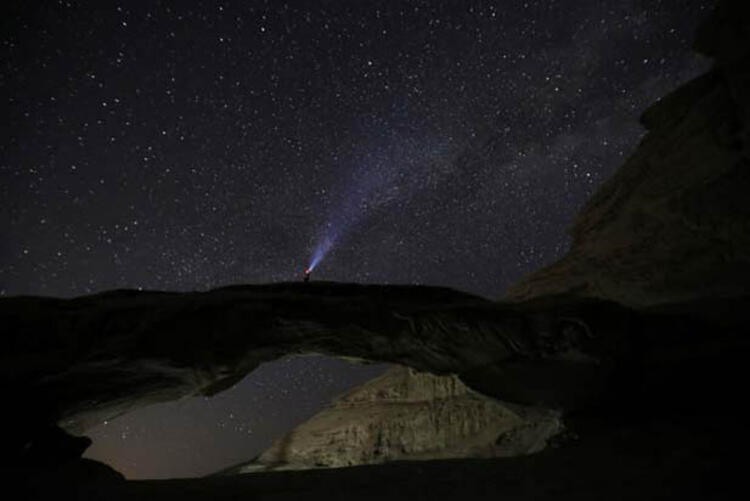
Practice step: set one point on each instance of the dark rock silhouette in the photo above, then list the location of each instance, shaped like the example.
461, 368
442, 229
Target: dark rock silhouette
89, 359
673, 223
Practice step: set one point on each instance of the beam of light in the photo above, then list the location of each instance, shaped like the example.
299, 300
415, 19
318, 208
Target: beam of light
321, 249
382, 176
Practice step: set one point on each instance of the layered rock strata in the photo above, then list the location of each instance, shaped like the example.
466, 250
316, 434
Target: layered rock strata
408, 415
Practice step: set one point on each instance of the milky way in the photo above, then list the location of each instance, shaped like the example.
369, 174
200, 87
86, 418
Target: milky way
187, 145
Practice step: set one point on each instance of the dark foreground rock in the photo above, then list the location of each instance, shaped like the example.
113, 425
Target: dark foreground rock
626, 380
88, 359
78, 362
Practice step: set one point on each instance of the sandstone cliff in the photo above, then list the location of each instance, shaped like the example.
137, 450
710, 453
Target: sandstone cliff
408, 415
673, 223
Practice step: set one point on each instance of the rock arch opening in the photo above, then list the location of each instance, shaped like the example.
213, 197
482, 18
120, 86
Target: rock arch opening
197, 436
97, 357
317, 411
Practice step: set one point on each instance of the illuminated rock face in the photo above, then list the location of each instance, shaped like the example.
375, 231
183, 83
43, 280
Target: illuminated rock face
673, 223
408, 415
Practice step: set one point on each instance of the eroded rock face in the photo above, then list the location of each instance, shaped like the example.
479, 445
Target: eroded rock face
408, 415
673, 223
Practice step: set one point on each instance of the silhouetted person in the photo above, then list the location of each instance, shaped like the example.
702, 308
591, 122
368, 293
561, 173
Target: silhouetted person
306, 276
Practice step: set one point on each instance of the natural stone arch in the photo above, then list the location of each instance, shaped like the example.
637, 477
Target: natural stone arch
94, 357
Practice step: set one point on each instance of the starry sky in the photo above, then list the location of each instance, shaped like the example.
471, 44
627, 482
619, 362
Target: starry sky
187, 145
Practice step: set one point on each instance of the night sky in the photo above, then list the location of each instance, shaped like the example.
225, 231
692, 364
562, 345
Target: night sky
187, 145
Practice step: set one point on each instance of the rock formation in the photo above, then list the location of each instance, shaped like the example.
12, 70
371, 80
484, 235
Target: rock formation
89, 359
76, 362
407, 415
673, 223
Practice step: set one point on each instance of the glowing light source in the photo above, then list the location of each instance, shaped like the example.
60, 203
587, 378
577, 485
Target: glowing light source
319, 253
